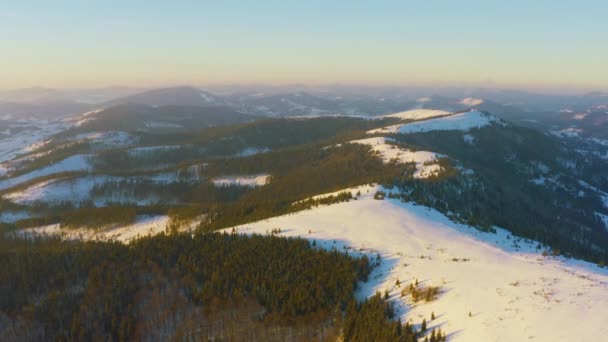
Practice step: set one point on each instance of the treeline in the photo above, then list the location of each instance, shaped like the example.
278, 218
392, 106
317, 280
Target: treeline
58, 290
54, 153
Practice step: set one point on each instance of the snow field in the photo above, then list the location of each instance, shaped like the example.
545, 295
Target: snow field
455, 122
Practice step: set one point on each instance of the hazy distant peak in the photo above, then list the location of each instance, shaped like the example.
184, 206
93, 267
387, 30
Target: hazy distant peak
183, 96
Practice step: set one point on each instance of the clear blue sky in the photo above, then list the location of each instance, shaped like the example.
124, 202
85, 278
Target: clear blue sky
532, 43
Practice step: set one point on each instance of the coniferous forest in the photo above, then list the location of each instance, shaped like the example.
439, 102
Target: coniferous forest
186, 286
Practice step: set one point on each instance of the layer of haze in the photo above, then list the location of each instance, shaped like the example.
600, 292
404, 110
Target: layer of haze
530, 44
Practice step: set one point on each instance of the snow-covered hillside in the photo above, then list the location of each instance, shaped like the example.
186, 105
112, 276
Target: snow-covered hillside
30, 137
461, 122
426, 162
78, 162
494, 287
144, 226
417, 114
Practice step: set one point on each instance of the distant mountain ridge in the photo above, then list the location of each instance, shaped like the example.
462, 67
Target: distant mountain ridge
182, 96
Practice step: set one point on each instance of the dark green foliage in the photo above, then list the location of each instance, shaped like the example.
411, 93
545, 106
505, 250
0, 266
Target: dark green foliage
372, 320
94, 289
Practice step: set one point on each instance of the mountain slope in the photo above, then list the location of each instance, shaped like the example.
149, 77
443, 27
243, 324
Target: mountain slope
493, 286
483, 213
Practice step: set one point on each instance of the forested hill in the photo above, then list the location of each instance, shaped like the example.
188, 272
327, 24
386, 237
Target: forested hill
225, 286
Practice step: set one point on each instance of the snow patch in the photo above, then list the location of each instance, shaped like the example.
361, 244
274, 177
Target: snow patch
251, 181
77, 190
13, 216
471, 101
570, 132
426, 162
206, 97
417, 114
461, 122
250, 151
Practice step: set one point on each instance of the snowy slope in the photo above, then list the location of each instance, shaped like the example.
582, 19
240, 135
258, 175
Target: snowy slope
72, 191
144, 225
151, 149
426, 162
250, 151
79, 162
417, 114
511, 291
75, 190
28, 140
460, 122
111, 139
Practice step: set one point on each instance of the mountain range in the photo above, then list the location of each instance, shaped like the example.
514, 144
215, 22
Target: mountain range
478, 216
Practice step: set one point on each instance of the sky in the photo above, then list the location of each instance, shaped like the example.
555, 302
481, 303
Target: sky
525, 44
